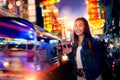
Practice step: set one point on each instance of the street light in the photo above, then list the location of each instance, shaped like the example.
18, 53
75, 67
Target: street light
10, 6
18, 3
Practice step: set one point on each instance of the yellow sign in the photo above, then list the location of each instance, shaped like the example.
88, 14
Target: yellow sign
49, 2
97, 31
97, 23
48, 27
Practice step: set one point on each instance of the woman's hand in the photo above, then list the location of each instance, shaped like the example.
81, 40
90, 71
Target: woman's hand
67, 50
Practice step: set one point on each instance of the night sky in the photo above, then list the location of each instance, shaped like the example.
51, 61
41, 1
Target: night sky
72, 9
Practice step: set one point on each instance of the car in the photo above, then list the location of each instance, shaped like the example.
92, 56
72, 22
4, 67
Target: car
18, 52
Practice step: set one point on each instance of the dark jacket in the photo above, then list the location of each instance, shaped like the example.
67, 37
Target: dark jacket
92, 65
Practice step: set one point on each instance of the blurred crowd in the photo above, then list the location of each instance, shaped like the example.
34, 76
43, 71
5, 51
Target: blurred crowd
112, 52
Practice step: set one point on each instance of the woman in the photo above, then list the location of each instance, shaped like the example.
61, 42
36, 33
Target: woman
86, 53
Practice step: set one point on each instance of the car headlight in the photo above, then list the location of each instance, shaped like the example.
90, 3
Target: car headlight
30, 77
64, 57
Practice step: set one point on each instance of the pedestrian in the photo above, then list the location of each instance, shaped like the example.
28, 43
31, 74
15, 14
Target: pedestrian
50, 52
86, 54
117, 63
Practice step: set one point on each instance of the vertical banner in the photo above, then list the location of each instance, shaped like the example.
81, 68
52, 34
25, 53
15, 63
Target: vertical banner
31, 11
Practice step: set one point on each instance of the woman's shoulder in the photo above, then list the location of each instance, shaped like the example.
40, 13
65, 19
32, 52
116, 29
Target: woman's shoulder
94, 41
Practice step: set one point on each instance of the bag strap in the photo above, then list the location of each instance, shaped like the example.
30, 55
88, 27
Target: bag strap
90, 46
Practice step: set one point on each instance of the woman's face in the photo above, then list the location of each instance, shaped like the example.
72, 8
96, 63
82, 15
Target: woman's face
79, 27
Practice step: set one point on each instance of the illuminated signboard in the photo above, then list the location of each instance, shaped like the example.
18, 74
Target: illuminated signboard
31, 11
95, 20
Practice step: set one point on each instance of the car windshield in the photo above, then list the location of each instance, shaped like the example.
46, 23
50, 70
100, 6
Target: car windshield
16, 34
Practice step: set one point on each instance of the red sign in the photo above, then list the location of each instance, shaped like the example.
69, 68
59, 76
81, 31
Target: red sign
1, 0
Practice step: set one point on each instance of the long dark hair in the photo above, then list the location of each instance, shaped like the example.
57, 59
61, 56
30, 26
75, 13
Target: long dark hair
86, 29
